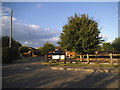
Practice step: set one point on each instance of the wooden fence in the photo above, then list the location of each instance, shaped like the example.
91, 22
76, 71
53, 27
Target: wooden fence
100, 58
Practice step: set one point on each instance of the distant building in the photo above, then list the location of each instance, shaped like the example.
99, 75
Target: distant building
70, 54
57, 48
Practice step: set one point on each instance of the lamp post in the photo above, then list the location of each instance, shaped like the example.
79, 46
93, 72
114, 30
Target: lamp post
10, 41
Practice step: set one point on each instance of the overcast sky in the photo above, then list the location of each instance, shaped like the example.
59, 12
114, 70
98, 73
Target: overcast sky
34, 23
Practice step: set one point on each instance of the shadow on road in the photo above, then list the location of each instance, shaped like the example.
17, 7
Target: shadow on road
61, 79
40, 76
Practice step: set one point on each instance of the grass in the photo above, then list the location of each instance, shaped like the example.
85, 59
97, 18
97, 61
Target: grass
80, 65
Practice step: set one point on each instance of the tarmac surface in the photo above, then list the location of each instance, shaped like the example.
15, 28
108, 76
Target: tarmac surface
29, 74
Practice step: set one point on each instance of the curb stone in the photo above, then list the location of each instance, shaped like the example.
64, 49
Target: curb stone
87, 70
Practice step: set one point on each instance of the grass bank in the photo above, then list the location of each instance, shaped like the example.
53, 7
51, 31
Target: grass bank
80, 65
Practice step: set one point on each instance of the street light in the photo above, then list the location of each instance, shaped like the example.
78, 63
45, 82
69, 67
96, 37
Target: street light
10, 41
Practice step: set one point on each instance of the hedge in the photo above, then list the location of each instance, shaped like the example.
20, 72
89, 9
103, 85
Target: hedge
9, 54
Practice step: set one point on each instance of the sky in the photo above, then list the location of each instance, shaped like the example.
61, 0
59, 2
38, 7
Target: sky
35, 23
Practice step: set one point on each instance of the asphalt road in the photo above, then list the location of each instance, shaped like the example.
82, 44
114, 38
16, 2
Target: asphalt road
30, 74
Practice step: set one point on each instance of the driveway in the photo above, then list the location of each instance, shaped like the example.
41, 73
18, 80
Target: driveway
31, 75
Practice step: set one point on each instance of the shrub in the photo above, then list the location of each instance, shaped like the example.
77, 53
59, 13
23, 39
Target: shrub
23, 49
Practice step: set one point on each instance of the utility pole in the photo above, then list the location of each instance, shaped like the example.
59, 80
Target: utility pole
10, 41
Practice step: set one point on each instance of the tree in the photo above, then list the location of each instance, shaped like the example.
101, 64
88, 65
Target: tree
24, 49
107, 47
37, 52
116, 44
80, 34
41, 50
48, 47
5, 42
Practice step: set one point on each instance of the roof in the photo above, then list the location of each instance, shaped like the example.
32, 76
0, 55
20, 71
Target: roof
58, 47
70, 53
32, 48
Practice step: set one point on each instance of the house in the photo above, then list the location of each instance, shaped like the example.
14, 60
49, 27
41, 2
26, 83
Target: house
57, 51
70, 54
33, 52
57, 48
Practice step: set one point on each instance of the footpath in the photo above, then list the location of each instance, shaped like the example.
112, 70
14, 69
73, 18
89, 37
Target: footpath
88, 69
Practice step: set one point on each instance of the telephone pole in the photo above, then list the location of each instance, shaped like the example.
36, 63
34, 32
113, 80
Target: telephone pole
10, 41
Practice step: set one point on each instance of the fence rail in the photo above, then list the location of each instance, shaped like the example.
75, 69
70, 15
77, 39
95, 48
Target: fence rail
99, 58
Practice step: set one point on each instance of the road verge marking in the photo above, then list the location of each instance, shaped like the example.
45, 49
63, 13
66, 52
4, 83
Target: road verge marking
79, 69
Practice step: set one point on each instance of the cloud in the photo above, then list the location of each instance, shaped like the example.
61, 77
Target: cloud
52, 39
26, 42
47, 29
5, 11
4, 8
39, 5
29, 34
110, 41
103, 35
14, 19
34, 26
5, 17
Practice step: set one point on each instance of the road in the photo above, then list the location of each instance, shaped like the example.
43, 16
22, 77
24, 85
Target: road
31, 74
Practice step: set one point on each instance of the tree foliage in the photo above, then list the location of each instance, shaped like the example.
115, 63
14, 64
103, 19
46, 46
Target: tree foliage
116, 44
5, 42
48, 47
41, 50
80, 34
107, 47
37, 52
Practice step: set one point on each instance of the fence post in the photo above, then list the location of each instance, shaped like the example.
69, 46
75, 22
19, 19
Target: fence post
111, 59
88, 58
80, 57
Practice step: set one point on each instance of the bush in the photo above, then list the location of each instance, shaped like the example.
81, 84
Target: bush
9, 54
23, 49
37, 52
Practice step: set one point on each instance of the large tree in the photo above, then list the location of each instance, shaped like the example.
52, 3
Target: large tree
80, 34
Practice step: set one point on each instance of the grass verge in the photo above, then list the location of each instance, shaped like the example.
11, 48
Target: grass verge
80, 65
